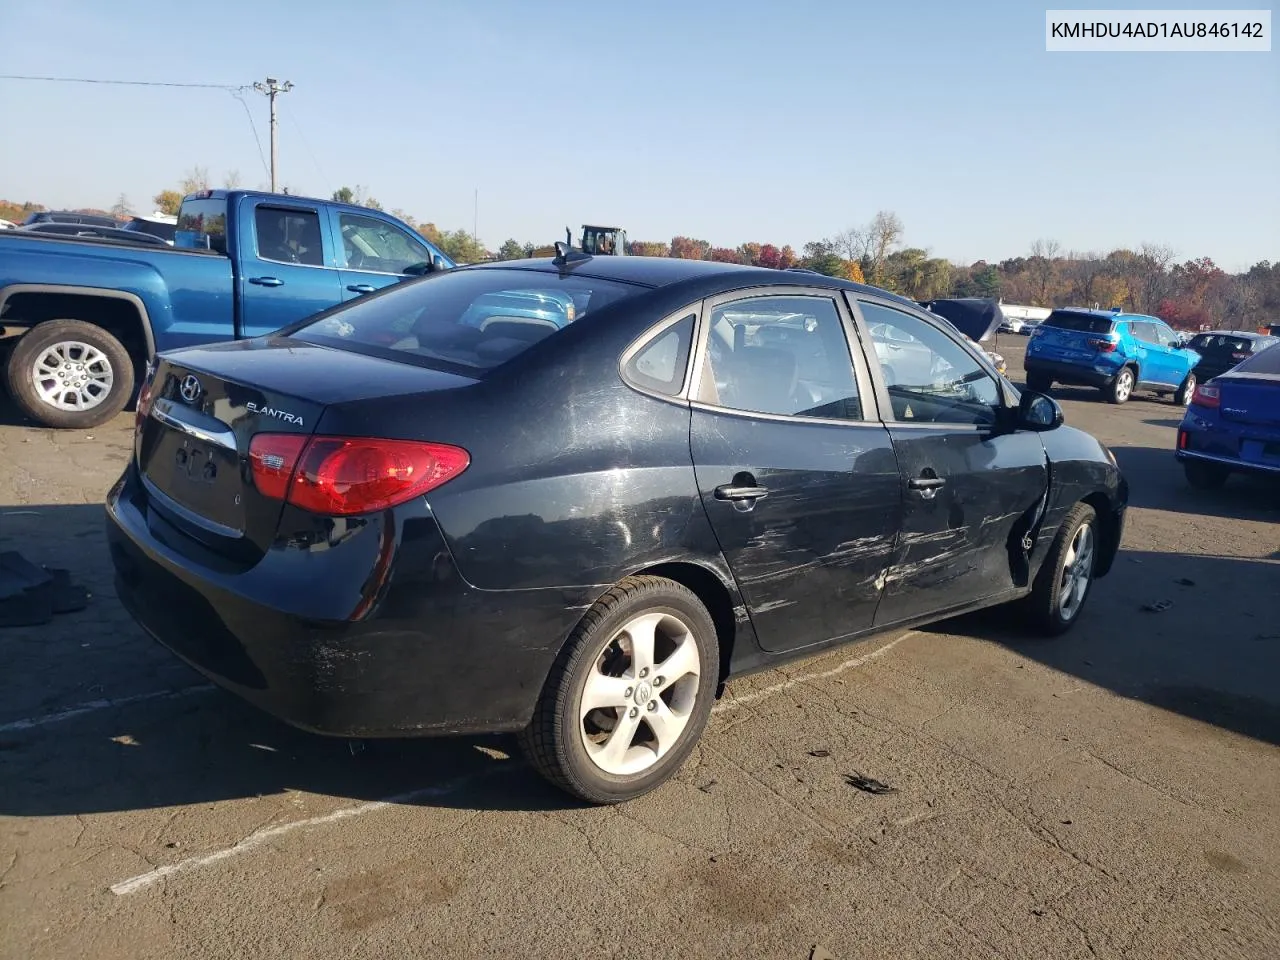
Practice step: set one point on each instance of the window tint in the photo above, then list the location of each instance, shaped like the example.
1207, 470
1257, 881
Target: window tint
1221, 343
1265, 361
786, 356
1084, 322
373, 244
205, 224
931, 378
473, 319
1164, 335
289, 236
660, 364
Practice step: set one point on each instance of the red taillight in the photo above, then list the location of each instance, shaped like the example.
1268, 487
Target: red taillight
143, 408
1102, 345
1182, 439
1206, 396
339, 476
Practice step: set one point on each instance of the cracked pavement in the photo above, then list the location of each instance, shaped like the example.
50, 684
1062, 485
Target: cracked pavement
1112, 793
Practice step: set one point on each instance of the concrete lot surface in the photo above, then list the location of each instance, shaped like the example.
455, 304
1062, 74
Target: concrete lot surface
1114, 793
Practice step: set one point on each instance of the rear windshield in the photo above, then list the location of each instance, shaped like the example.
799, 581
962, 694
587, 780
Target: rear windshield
1220, 343
1084, 322
1266, 361
470, 319
202, 224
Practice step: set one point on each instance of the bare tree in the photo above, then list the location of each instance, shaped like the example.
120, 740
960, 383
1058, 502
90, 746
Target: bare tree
884, 233
231, 180
122, 207
1044, 254
1153, 278
851, 244
195, 181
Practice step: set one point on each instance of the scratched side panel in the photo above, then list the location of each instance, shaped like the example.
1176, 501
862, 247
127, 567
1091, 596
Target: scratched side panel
809, 555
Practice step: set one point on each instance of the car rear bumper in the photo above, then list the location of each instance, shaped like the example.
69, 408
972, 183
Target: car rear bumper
1070, 373
1235, 463
433, 655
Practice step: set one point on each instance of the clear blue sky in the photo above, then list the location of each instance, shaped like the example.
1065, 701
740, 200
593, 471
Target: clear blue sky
728, 121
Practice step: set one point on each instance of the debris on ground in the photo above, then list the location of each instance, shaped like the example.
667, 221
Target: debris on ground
819, 753
819, 952
1160, 606
1185, 582
868, 784
31, 595
706, 787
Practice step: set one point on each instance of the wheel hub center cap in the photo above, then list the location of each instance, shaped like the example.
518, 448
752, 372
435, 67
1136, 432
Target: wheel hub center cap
643, 693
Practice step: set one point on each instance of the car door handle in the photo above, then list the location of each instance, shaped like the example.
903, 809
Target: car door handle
729, 491
362, 288
267, 281
926, 483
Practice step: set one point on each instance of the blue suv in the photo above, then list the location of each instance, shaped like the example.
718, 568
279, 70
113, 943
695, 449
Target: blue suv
1116, 352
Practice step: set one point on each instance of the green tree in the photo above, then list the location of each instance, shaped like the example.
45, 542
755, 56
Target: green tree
344, 195
461, 248
511, 250
168, 201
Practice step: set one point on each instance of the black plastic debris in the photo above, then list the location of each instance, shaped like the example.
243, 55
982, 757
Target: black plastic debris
868, 784
1185, 582
31, 595
1160, 606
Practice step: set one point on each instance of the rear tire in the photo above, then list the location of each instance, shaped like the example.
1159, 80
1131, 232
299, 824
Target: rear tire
1039, 382
70, 374
1120, 389
1066, 577
1205, 476
647, 654
1182, 396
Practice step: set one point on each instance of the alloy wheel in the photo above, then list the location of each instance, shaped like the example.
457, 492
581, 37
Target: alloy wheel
1077, 572
72, 375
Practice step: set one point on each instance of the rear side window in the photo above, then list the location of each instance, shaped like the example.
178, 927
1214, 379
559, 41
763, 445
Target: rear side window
660, 363
289, 236
1220, 343
1267, 361
468, 319
1143, 331
203, 224
1083, 322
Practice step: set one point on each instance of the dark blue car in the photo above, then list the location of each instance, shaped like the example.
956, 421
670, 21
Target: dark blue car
1233, 423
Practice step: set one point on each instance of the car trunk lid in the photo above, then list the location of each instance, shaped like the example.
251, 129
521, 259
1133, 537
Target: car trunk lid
1250, 398
207, 404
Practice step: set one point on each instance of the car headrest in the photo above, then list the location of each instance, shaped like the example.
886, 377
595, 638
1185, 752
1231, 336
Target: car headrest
769, 365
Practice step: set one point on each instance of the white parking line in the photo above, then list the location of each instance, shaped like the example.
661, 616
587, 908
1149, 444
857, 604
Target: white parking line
90, 706
254, 840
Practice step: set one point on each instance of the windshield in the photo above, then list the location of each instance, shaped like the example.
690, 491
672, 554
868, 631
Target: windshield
473, 319
1265, 361
1220, 343
1083, 322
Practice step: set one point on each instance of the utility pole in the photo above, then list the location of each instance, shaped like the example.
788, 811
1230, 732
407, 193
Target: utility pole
271, 88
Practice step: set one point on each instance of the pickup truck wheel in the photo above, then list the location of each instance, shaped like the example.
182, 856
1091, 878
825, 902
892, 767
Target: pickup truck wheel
1120, 388
1182, 396
629, 694
70, 374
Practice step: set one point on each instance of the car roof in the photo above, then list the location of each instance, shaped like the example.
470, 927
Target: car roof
1243, 334
665, 271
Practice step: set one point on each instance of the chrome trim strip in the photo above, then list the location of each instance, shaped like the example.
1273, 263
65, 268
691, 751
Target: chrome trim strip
1226, 461
173, 415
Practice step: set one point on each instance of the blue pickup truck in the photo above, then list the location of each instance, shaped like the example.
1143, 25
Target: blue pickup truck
80, 318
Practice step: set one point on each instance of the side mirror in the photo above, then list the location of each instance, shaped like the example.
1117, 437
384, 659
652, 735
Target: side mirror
438, 264
1038, 412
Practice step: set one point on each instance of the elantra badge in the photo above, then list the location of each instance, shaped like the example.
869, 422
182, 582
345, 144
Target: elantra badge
265, 411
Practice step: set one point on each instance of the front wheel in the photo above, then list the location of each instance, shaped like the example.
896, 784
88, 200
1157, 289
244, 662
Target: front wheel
70, 374
1121, 388
1064, 580
629, 695
1182, 396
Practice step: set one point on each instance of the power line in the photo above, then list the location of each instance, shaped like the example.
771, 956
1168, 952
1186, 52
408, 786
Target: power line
254, 127
126, 83
303, 137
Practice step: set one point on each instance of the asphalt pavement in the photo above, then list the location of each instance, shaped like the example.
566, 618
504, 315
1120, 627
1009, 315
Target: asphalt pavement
1112, 793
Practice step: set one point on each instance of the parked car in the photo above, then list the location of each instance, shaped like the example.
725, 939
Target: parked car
1115, 352
7, 224
90, 231
1011, 325
1030, 325
80, 319
70, 216
156, 224
1220, 350
1233, 423
580, 532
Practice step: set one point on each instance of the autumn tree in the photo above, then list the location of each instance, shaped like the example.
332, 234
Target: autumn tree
649, 248
749, 253
1044, 267
430, 232
168, 201
723, 255
196, 180
687, 248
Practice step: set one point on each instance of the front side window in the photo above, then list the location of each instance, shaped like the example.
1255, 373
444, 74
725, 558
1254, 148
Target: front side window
1164, 335
930, 377
375, 245
470, 320
289, 236
786, 356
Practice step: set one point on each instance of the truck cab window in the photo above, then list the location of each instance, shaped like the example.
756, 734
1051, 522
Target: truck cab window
289, 236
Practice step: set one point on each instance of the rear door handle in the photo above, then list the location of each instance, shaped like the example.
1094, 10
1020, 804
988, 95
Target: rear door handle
728, 491
362, 288
267, 281
926, 483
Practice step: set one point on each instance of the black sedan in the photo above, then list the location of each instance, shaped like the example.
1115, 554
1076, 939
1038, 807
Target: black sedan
572, 497
1220, 350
